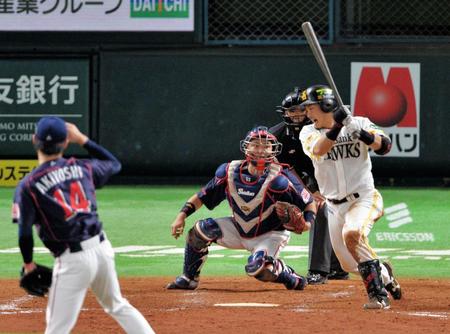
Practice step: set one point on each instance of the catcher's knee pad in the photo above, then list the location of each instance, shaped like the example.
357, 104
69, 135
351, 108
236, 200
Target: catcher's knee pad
262, 267
203, 233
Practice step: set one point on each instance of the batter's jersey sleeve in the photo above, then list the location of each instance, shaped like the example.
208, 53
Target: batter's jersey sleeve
370, 127
309, 137
213, 193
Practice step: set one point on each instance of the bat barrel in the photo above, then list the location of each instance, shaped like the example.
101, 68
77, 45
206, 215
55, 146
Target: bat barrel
320, 58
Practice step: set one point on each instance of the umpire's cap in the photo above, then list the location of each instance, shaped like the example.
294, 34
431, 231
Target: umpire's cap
51, 130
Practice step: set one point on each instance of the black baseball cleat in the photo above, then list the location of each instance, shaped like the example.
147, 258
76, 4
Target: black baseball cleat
338, 275
315, 278
182, 283
393, 286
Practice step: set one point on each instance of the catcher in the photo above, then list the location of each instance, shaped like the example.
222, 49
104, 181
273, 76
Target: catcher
265, 206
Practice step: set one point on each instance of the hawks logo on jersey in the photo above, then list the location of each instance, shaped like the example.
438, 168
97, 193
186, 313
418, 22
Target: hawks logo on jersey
344, 148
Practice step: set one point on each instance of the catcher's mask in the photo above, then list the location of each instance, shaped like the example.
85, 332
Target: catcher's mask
291, 110
260, 147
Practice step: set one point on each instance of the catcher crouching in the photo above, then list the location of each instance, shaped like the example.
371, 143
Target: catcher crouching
267, 203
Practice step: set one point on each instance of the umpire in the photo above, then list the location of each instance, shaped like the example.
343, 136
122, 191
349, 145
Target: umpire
323, 263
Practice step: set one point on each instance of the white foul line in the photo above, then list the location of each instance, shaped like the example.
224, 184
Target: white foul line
247, 305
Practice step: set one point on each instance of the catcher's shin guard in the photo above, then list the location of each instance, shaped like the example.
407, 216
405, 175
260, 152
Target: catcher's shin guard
199, 238
193, 261
371, 274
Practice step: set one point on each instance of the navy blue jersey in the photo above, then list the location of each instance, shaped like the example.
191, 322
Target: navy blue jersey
58, 197
252, 198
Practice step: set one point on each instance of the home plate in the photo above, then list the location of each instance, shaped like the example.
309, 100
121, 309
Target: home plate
247, 305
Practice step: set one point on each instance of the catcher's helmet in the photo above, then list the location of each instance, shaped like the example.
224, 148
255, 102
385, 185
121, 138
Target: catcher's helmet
260, 147
321, 95
291, 103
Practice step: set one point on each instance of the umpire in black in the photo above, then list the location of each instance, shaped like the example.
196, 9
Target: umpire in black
323, 263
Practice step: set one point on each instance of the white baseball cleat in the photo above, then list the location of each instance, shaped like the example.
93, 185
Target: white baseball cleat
378, 303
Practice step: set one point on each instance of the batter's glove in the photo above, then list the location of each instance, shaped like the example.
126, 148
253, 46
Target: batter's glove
291, 217
36, 282
342, 115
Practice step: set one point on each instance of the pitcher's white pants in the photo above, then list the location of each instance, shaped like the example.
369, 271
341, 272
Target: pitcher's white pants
73, 274
355, 217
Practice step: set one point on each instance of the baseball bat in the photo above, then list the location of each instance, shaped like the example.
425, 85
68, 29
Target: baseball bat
320, 58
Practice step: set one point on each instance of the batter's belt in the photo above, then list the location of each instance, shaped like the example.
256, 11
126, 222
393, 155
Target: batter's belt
345, 199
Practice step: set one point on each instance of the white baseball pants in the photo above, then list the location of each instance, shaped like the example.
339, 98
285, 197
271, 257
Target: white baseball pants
356, 216
73, 274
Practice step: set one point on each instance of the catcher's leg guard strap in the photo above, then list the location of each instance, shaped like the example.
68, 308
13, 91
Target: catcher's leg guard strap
371, 274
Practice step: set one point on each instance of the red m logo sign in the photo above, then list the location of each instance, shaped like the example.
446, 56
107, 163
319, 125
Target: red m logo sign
386, 103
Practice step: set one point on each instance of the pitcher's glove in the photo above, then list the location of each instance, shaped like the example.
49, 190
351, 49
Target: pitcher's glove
291, 217
36, 282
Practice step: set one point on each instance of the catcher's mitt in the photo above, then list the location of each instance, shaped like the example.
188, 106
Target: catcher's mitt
36, 282
291, 217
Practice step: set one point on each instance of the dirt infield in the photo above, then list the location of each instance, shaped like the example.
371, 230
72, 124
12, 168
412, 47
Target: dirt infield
332, 308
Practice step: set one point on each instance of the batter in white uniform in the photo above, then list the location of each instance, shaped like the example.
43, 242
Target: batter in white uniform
340, 154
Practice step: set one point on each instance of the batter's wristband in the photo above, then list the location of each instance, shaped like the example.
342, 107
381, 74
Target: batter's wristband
334, 131
366, 137
188, 208
309, 216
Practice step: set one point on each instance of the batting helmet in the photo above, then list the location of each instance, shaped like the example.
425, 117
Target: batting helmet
260, 147
321, 95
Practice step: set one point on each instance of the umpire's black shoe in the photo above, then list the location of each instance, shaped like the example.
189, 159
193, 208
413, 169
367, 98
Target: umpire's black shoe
316, 278
393, 286
338, 275
183, 283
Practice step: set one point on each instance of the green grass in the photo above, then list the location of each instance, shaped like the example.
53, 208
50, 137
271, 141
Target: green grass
141, 215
